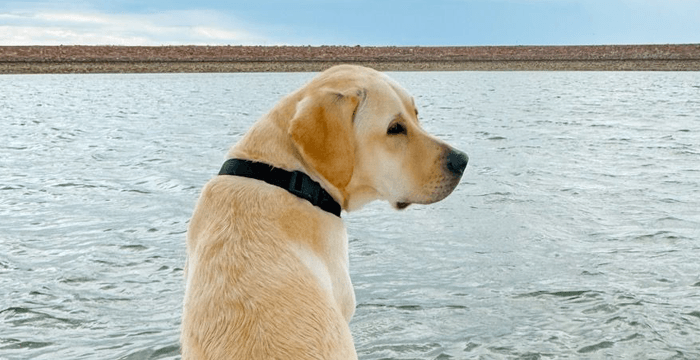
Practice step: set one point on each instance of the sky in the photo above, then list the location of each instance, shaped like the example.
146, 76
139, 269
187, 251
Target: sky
349, 22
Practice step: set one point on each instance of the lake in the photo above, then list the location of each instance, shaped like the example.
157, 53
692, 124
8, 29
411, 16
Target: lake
575, 231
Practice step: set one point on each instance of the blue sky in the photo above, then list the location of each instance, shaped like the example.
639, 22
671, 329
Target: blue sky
349, 22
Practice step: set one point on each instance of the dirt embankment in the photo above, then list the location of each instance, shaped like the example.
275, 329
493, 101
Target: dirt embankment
115, 59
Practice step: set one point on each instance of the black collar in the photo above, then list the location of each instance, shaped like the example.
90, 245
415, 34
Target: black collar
296, 182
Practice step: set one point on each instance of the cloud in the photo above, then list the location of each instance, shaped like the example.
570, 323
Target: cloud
193, 27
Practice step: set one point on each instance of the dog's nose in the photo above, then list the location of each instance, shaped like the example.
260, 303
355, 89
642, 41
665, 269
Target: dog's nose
457, 162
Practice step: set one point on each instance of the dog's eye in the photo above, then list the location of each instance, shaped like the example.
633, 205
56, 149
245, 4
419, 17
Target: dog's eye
396, 129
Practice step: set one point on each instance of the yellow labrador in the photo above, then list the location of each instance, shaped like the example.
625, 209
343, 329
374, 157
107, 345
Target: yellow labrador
267, 252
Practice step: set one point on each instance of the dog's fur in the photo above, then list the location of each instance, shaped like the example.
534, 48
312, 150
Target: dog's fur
267, 272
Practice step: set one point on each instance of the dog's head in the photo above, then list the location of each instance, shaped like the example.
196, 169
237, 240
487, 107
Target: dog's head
359, 130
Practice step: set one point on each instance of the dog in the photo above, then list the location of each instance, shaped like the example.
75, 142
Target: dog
267, 252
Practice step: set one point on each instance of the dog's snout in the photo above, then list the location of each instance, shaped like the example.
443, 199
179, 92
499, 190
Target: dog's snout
457, 162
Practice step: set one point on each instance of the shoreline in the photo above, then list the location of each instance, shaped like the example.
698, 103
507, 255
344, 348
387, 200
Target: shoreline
195, 59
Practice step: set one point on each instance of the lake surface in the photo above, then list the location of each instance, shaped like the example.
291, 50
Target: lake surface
575, 232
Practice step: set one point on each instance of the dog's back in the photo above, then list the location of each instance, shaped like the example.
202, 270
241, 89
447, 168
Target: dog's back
249, 297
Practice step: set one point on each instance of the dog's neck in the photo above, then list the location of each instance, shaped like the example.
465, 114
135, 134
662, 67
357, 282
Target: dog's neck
279, 154
295, 182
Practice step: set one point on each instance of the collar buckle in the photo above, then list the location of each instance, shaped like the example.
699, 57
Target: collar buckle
301, 186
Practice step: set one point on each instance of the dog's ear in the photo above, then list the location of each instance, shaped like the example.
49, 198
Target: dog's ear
322, 130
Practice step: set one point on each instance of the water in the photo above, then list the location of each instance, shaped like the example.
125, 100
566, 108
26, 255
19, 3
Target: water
575, 232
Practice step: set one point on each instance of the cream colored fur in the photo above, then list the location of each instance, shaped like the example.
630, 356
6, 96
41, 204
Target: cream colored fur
267, 272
